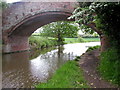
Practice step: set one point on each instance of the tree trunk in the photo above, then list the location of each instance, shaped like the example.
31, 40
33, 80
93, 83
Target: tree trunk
105, 43
59, 38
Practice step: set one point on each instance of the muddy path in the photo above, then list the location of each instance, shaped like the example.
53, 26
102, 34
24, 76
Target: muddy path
89, 63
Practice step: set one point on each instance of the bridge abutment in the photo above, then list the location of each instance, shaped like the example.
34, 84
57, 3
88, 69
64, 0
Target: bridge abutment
16, 44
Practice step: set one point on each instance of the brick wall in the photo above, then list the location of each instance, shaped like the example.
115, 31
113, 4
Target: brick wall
21, 10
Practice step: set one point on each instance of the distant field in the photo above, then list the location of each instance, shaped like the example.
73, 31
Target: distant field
75, 40
92, 39
71, 40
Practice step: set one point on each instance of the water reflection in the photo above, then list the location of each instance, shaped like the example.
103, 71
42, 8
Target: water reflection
25, 69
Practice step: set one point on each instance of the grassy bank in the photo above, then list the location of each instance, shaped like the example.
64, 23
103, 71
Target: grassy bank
41, 42
110, 66
93, 48
67, 76
79, 40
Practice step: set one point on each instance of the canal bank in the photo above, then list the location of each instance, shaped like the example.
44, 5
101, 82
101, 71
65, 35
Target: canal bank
69, 75
79, 73
19, 71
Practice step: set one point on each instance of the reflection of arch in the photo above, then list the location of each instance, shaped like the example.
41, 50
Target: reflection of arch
18, 36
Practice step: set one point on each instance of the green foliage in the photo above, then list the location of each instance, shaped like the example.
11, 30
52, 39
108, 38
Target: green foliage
41, 42
108, 14
67, 76
93, 48
85, 29
3, 4
110, 66
83, 15
104, 14
60, 30
77, 58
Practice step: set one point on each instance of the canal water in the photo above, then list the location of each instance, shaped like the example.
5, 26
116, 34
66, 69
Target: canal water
26, 69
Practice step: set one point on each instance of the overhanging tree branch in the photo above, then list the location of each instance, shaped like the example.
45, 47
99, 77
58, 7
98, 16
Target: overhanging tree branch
93, 27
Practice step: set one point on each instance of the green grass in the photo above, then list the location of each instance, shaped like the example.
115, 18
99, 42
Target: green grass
79, 40
41, 42
93, 48
71, 40
110, 66
68, 75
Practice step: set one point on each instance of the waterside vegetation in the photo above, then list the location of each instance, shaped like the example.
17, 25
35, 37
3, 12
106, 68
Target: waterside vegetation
68, 75
40, 42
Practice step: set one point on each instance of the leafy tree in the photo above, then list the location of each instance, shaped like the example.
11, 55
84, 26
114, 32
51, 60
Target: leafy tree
86, 17
100, 17
60, 30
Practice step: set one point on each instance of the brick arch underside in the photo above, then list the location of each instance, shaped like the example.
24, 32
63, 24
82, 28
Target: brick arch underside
18, 35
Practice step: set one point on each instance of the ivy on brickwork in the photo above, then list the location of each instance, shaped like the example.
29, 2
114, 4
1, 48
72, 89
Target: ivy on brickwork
108, 15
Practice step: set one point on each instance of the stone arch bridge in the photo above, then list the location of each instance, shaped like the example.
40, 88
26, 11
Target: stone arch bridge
21, 19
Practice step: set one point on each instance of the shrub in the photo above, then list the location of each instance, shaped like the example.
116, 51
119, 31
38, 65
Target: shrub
41, 42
